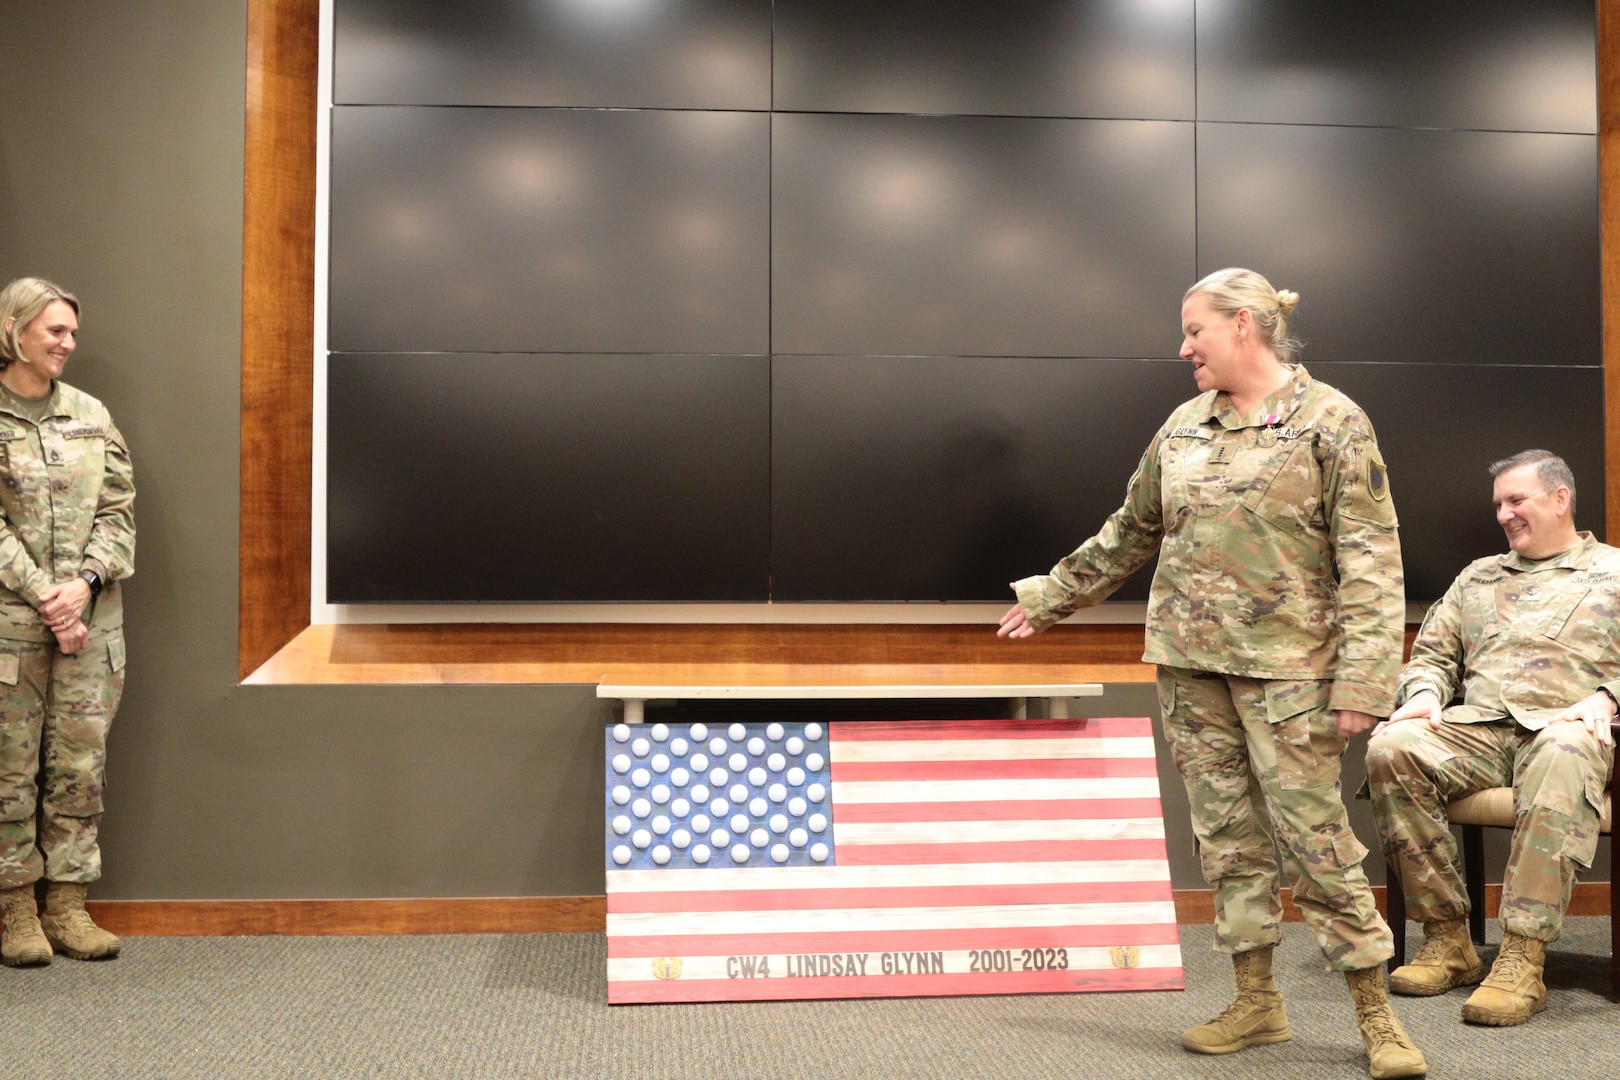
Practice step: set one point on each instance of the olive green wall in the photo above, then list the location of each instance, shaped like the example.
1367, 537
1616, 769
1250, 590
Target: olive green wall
121, 130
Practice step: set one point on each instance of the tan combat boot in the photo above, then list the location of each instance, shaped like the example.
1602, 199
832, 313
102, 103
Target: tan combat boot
1390, 1051
23, 943
1256, 1016
1447, 960
1513, 992
68, 925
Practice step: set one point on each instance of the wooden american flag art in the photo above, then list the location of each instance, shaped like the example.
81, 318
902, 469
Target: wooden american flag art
886, 859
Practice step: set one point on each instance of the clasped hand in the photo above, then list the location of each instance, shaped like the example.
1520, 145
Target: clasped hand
62, 609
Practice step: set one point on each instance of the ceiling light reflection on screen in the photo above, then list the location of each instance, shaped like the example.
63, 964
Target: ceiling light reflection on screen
608, 14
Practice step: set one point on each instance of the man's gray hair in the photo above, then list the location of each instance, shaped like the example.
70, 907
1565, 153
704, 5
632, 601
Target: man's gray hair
1551, 470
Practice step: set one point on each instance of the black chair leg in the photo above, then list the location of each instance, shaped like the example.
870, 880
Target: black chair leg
1473, 843
1395, 914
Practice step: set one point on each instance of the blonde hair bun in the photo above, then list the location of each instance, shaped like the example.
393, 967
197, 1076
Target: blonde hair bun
1287, 300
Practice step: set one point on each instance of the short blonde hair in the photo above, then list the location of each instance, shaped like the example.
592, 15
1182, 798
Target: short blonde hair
1236, 289
23, 301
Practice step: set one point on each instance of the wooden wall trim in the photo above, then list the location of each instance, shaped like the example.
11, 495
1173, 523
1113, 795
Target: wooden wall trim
278, 325
525, 914
1608, 66
706, 655
295, 918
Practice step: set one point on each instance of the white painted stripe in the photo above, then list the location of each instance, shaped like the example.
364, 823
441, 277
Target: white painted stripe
945, 791
907, 964
855, 749
767, 878
802, 921
981, 832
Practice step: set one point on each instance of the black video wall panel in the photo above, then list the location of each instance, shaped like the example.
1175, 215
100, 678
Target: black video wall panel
1506, 65
630, 54
878, 301
549, 230
963, 235
476, 477
1450, 247
1097, 58
899, 478
1439, 428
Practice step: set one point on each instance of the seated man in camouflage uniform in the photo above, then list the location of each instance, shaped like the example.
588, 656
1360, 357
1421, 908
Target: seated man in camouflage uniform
1527, 639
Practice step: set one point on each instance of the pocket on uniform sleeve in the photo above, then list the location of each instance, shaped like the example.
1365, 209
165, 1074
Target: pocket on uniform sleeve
8, 669
115, 653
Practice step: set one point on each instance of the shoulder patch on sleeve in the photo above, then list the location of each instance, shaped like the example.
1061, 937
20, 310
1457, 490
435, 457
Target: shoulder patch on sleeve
1377, 477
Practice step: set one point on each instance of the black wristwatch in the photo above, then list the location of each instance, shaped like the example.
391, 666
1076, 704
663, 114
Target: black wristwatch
92, 579
1606, 692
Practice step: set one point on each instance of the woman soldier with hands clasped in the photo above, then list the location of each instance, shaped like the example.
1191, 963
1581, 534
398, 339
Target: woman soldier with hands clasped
1275, 619
67, 536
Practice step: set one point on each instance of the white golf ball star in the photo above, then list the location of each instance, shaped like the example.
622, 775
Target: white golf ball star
621, 732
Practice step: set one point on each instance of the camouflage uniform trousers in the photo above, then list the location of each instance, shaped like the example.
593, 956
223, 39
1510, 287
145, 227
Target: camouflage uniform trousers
1558, 777
54, 718
1259, 756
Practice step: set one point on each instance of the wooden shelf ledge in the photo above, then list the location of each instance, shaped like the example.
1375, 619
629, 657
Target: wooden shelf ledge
703, 655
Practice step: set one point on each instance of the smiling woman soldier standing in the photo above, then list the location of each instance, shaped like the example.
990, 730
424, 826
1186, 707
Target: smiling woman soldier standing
67, 537
1275, 617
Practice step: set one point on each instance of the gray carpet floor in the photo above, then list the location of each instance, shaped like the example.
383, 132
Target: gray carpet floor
533, 1006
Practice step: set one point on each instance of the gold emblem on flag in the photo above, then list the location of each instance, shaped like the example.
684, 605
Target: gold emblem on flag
666, 967
1125, 956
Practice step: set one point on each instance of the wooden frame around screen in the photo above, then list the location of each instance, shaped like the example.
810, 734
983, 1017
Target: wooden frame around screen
278, 298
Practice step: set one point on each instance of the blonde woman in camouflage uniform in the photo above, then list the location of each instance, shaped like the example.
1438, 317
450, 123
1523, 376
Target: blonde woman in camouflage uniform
1275, 618
67, 536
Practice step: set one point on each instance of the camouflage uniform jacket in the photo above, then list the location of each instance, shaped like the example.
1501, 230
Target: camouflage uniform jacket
1521, 638
1280, 554
67, 499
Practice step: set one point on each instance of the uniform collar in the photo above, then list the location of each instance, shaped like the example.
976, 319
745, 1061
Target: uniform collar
1276, 409
1578, 557
52, 402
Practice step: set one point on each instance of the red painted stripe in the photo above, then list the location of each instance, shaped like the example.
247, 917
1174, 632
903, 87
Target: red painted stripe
994, 769
999, 810
1115, 727
991, 937
919, 895
862, 986
848, 854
